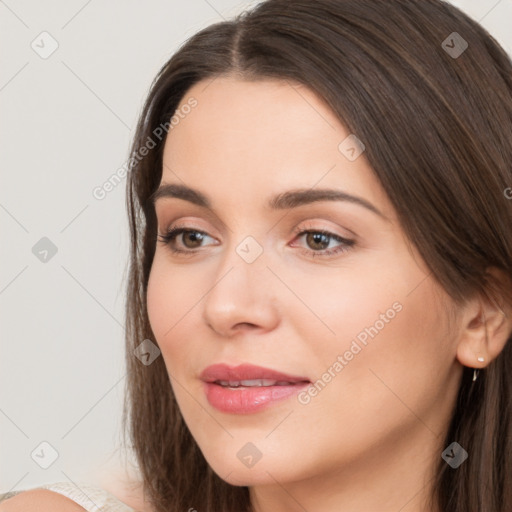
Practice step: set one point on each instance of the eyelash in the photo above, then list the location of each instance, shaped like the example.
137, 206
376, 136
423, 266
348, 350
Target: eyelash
177, 230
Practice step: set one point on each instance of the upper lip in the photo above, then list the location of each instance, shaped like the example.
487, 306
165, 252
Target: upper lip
224, 372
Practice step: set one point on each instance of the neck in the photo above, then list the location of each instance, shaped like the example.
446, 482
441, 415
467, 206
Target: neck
395, 476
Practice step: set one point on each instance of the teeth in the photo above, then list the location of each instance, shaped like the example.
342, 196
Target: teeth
252, 383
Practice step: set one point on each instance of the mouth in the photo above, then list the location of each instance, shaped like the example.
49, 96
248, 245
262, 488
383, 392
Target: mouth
247, 375
247, 389
254, 383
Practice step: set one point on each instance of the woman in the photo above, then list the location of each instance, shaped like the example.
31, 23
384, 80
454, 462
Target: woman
319, 303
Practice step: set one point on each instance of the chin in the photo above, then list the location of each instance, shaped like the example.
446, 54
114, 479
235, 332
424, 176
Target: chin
247, 477
264, 471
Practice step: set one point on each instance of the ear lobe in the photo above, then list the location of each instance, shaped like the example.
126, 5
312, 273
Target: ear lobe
486, 328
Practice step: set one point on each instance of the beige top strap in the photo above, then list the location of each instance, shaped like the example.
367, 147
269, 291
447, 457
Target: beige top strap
92, 498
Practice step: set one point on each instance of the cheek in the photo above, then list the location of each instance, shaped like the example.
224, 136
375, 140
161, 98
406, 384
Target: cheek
360, 305
171, 296
383, 383
159, 301
376, 333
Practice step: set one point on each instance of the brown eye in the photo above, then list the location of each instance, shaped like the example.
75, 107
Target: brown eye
317, 240
191, 239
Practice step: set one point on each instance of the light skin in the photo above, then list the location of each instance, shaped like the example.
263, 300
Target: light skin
370, 438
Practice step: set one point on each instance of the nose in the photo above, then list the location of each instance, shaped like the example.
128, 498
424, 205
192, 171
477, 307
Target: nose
242, 296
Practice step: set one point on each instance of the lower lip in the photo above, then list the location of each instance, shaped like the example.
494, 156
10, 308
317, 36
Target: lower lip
245, 400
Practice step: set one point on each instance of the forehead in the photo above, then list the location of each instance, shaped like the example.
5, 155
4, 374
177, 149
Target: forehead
250, 115
265, 134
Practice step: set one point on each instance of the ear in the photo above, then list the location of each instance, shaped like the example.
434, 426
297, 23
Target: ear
486, 326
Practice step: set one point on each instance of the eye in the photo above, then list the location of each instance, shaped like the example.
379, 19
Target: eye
190, 236
319, 239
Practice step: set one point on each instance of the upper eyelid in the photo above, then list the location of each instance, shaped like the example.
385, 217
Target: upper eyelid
213, 219
166, 225
209, 215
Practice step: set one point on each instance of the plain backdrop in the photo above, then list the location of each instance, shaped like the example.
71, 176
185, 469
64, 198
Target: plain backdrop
73, 77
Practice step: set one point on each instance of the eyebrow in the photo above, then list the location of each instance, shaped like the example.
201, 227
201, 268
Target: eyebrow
282, 201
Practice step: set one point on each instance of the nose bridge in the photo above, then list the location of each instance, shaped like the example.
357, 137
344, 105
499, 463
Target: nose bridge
242, 268
241, 291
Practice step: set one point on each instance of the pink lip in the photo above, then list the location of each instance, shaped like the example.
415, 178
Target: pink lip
244, 400
245, 372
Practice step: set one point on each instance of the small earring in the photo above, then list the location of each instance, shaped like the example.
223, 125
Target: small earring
475, 371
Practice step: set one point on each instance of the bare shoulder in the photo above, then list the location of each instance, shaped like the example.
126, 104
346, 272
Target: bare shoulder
40, 500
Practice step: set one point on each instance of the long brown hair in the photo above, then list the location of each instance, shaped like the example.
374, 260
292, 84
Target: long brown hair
436, 119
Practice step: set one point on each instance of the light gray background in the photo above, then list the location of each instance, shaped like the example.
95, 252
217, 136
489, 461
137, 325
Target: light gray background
66, 125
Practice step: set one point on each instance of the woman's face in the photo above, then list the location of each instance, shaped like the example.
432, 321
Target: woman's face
364, 323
